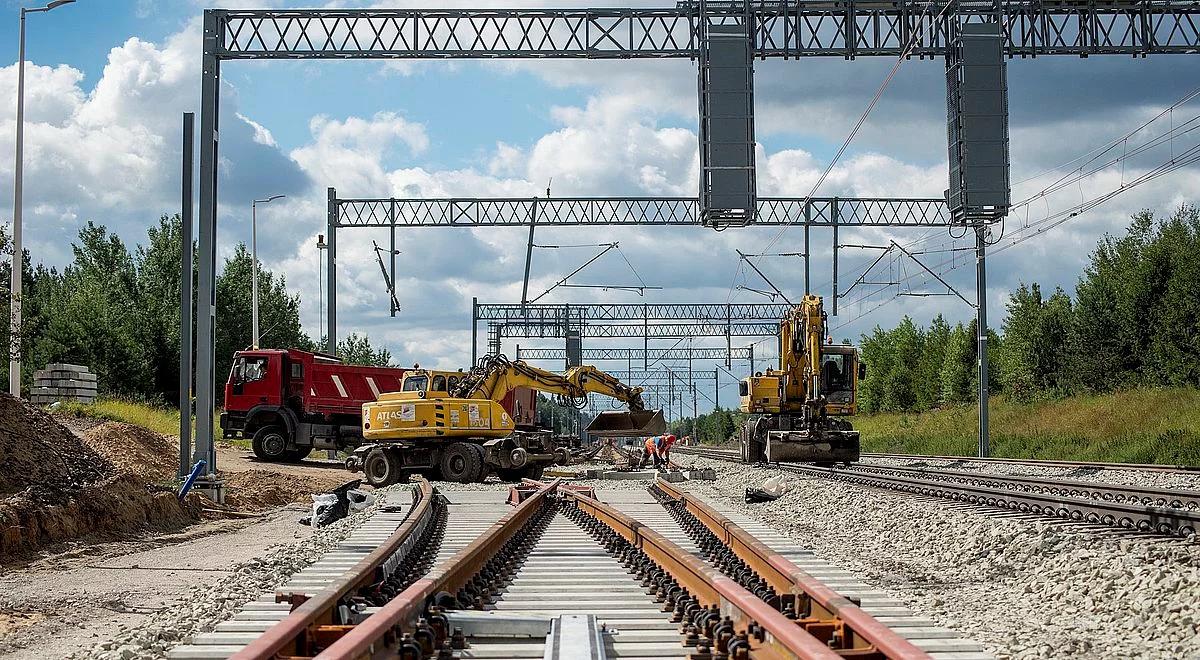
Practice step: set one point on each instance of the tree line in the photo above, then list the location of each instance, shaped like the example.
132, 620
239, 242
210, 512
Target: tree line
1134, 320
116, 310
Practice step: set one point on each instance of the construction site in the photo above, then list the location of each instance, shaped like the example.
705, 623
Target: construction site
526, 418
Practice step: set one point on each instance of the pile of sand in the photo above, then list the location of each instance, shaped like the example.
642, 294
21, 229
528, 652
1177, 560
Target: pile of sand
54, 487
135, 451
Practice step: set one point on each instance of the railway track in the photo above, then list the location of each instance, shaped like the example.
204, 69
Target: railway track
1160, 511
1031, 462
558, 573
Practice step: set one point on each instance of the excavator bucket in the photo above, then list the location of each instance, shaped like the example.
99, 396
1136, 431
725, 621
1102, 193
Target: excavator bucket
618, 424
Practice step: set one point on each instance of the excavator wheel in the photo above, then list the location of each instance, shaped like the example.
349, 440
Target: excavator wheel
527, 472
753, 446
381, 468
462, 462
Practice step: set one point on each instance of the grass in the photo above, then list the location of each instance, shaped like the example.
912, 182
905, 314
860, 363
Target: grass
1135, 426
160, 419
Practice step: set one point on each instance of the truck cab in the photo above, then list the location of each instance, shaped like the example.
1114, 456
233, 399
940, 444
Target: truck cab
289, 402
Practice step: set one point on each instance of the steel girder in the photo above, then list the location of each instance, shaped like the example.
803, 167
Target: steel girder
592, 312
644, 378
678, 211
653, 331
653, 354
846, 28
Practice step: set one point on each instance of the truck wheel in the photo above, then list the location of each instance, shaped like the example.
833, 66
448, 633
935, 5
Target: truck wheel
381, 468
270, 444
462, 462
298, 454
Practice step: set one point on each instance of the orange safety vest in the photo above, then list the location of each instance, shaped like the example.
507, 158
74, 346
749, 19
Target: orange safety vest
650, 446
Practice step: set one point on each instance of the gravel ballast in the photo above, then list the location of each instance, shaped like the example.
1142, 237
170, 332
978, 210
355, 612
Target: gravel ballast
1026, 588
211, 603
1189, 481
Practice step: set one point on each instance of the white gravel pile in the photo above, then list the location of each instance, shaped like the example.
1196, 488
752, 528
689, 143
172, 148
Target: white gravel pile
211, 603
1132, 477
1025, 588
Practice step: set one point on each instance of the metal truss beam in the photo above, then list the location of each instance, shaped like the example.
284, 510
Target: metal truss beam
801, 28
641, 354
591, 313
669, 211
645, 378
653, 331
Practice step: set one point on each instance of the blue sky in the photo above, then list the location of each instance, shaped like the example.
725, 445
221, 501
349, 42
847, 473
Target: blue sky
108, 80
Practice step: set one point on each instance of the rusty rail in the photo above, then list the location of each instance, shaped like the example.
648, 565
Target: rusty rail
312, 620
380, 635
768, 632
827, 611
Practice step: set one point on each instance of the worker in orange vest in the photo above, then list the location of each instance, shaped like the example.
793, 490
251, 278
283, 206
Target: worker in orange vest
664, 450
658, 448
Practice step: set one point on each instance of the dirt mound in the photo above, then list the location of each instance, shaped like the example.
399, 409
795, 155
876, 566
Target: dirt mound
252, 490
135, 450
56, 487
42, 460
118, 506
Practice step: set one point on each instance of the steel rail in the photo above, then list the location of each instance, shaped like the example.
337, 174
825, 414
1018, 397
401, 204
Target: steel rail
1161, 520
828, 611
294, 634
1099, 465
781, 637
377, 636
1183, 521
1090, 490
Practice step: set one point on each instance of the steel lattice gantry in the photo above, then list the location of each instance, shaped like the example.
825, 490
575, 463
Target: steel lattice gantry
640, 354
784, 29
845, 28
669, 211
645, 320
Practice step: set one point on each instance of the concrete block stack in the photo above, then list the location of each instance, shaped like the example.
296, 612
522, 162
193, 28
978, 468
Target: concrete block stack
63, 382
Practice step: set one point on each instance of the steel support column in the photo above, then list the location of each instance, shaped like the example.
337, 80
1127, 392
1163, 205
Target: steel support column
807, 252
529, 254
185, 295
834, 213
331, 274
982, 343
206, 301
392, 255
474, 331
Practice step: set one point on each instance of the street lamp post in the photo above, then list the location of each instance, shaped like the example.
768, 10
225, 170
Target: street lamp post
254, 272
15, 283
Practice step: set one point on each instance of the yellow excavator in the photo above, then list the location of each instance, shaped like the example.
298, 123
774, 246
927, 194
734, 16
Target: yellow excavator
455, 425
796, 413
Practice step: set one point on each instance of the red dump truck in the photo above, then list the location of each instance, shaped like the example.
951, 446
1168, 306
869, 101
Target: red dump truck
289, 402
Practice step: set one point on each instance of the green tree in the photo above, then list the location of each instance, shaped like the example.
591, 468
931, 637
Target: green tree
279, 311
357, 349
958, 367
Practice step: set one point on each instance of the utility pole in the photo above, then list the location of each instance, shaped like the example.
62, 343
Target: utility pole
185, 296
16, 286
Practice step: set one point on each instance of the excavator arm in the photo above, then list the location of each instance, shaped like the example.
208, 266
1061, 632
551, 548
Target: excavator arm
495, 376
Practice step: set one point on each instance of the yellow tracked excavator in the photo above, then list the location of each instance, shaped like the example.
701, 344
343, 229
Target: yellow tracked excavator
796, 413
462, 432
